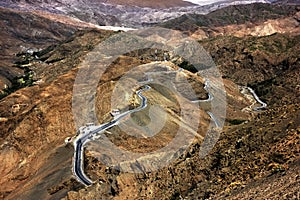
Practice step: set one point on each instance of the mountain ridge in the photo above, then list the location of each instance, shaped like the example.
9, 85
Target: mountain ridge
130, 15
257, 151
239, 14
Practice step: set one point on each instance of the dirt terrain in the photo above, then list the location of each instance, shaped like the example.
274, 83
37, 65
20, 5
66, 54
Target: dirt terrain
25, 32
256, 157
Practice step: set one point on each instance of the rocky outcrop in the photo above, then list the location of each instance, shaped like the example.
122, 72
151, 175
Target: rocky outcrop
251, 59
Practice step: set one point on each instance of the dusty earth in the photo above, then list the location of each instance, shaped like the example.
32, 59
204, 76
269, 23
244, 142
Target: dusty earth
257, 154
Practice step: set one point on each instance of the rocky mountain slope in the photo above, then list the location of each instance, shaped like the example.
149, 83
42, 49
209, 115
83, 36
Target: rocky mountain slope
25, 32
119, 12
147, 3
288, 25
287, 2
257, 154
240, 20
152, 4
247, 156
263, 153
22, 158
254, 60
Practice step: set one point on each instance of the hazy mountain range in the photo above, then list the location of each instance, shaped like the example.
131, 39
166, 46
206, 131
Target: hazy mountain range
126, 13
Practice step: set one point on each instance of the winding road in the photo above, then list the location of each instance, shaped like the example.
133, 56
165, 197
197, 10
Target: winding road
210, 97
255, 98
86, 133
263, 104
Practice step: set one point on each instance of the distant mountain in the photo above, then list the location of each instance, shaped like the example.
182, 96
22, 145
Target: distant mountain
157, 4
84, 10
121, 12
232, 15
287, 2
207, 2
51, 25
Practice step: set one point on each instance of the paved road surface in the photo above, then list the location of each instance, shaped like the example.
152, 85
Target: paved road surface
88, 131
